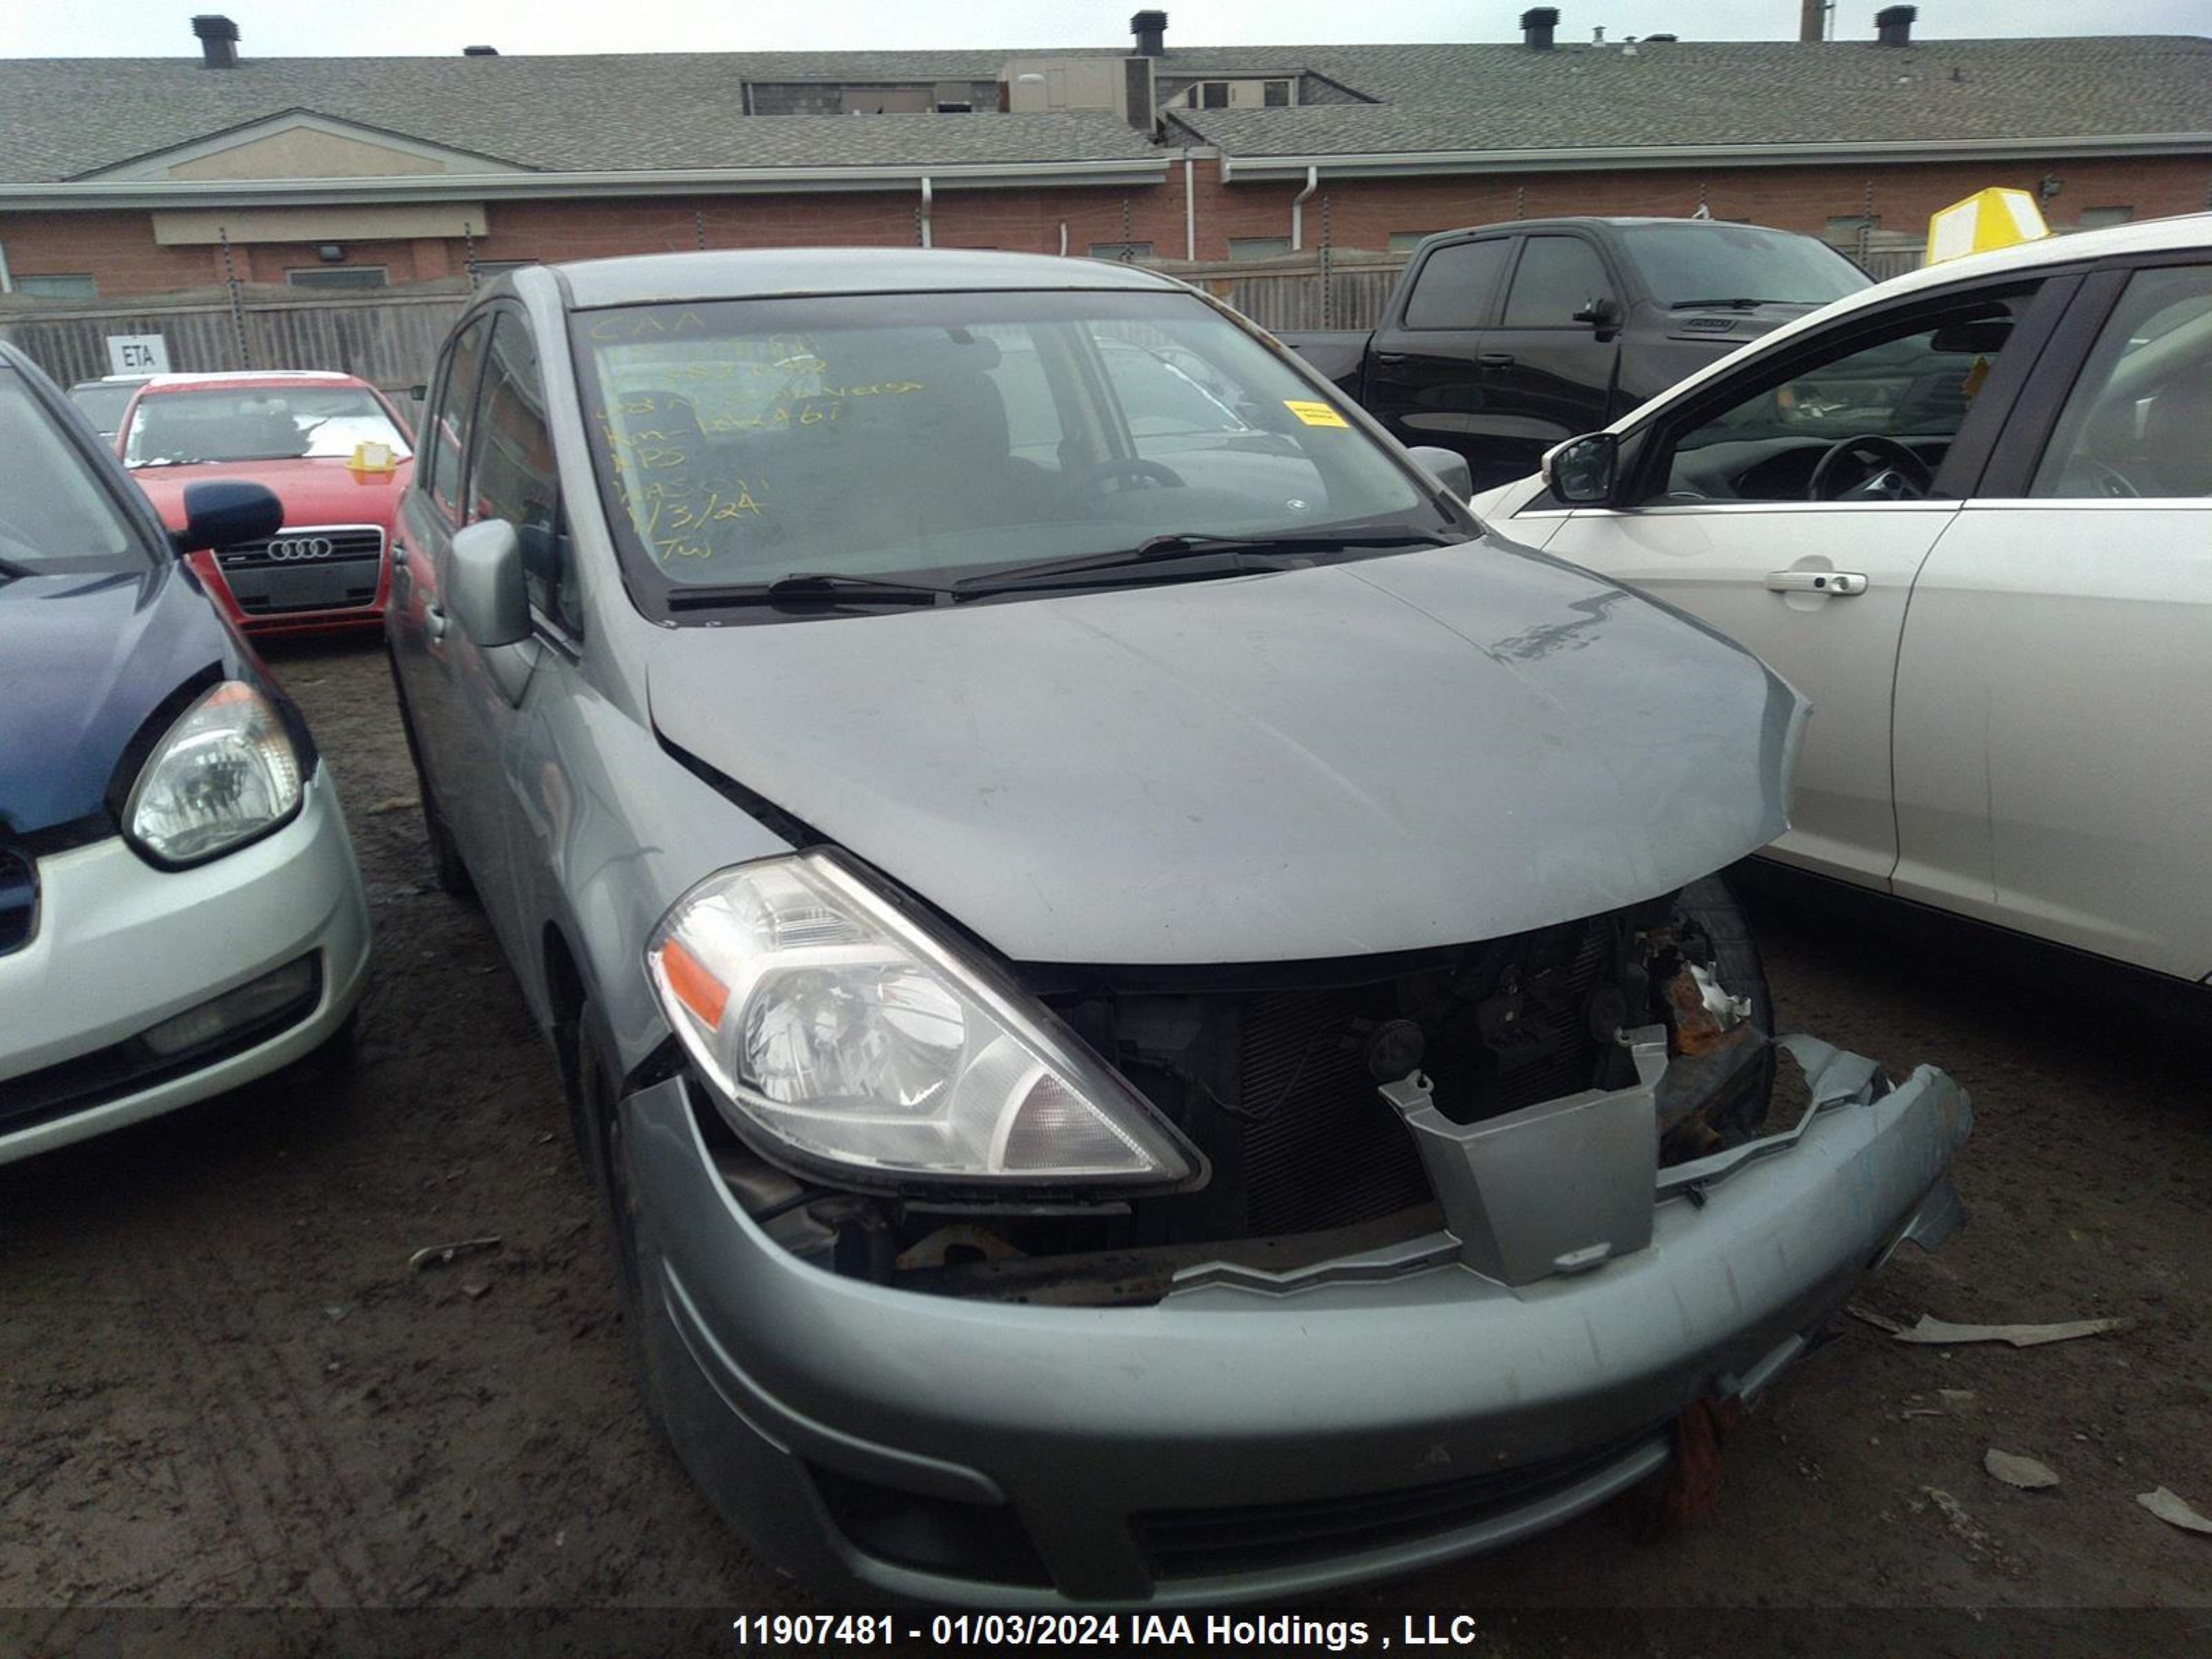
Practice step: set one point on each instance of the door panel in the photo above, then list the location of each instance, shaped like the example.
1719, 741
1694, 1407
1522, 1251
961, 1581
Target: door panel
2051, 703
1542, 376
1836, 647
1422, 382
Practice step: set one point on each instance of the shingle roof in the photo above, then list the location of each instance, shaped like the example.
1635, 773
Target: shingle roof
1504, 97
66, 118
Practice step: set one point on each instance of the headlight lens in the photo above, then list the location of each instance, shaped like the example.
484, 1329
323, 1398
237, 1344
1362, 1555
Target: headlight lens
826, 1019
224, 774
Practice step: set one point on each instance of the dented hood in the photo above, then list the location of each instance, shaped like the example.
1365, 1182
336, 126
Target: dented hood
1431, 748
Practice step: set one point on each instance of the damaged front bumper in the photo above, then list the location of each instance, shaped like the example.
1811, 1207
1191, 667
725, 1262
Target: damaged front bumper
1256, 1435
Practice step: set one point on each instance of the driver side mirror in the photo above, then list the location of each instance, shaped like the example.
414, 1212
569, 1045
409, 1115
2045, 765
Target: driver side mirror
1582, 471
1604, 313
226, 513
1446, 466
488, 597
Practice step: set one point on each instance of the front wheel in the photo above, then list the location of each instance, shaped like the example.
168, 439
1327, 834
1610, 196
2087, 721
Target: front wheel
598, 1112
1709, 909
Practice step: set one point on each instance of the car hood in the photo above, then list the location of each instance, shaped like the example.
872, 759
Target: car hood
83, 661
1433, 748
318, 492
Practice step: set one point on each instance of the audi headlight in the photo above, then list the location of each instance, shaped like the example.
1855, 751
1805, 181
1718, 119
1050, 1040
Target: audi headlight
868, 1049
223, 776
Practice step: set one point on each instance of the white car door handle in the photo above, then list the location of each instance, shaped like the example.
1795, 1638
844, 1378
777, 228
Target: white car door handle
1841, 583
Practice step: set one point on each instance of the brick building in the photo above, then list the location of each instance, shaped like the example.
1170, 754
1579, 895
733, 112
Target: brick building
123, 177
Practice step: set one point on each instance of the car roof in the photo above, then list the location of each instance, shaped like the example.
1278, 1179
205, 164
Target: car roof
2181, 234
761, 273
249, 378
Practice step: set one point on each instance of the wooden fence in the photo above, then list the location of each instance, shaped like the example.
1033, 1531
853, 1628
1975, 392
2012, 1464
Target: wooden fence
387, 338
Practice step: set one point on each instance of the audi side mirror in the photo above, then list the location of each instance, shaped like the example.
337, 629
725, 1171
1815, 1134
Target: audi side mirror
1582, 471
225, 513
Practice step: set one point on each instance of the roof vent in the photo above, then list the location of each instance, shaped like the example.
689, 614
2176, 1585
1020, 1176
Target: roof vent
218, 38
1151, 28
1657, 40
479, 52
1892, 25
1536, 26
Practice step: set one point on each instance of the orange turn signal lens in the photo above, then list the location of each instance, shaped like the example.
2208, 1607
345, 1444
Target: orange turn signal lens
692, 984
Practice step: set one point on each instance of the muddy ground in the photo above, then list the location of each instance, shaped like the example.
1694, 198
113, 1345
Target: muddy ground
221, 1387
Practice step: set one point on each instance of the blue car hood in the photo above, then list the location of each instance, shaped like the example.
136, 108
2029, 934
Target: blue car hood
83, 661
1429, 748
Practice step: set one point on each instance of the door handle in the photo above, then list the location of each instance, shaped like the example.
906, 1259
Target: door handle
1842, 583
1493, 360
1392, 359
434, 622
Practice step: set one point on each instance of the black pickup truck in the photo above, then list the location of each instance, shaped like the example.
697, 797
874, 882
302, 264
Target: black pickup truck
1500, 341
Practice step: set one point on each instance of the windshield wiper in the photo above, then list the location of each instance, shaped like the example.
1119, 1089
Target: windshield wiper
1738, 304
9, 570
1243, 553
810, 589
167, 460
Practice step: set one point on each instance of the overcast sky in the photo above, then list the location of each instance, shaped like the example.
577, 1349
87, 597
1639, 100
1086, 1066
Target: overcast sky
140, 28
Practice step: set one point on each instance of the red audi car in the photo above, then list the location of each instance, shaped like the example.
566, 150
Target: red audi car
336, 452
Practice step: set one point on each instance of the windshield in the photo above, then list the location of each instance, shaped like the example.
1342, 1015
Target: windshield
1697, 260
55, 517
742, 441
103, 402
257, 423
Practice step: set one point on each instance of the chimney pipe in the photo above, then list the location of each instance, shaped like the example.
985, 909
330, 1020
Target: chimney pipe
218, 38
1536, 26
1151, 28
1892, 25
1812, 19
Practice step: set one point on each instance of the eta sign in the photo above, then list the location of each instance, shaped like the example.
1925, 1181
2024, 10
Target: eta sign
137, 354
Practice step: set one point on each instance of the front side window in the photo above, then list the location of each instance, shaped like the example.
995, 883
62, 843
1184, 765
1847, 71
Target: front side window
1557, 277
448, 424
1457, 284
2139, 421
940, 437
1885, 405
257, 423
511, 468
55, 518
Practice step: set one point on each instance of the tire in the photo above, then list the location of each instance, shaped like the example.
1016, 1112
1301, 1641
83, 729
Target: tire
596, 1106
1712, 908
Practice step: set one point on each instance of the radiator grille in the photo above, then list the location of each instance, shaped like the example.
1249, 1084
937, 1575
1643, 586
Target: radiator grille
306, 569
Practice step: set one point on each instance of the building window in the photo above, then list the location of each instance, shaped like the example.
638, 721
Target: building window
1846, 226
1258, 247
1209, 94
488, 268
1275, 94
2097, 218
56, 288
1123, 251
1405, 242
336, 276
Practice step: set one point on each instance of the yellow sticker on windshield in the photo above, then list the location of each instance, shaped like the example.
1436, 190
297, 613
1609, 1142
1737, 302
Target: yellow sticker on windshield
1315, 414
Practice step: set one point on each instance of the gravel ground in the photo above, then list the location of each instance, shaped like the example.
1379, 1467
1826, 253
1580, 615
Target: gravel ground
223, 1388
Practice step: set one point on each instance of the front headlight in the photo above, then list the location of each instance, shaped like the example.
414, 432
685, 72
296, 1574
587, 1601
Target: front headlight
225, 774
828, 1021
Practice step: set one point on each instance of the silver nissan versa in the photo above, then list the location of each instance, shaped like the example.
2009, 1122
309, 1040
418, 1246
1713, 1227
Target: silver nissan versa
1148, 1002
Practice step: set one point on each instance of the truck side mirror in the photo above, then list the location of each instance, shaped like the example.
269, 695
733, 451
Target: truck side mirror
1603, 314
1582, 471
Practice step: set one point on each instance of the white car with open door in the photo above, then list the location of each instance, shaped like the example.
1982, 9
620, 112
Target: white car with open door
1969, 513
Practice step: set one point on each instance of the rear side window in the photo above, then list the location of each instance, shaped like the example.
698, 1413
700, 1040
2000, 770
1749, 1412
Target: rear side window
511, 469
55, 518
447, 424
2139, 421
1457, 285
1558, 277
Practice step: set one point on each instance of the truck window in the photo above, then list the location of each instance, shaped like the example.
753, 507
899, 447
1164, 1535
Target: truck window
1455, 286
1558, 275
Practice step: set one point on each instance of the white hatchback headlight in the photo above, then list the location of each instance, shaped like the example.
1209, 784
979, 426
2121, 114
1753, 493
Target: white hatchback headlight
225, 774
829, 1021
